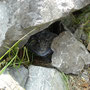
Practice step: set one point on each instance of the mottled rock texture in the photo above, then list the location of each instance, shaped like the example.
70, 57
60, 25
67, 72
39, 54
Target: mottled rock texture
13, 79
18, 17
41, 78
69, 55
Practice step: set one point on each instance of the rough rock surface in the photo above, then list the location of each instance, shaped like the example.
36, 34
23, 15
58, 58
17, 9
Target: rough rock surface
41, 78
69, 55
13, 79
18, 17
69, 23
80, 35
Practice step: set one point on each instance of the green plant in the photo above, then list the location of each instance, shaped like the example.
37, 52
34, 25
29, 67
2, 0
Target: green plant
12, 53
3, 69
83, 21
65, 79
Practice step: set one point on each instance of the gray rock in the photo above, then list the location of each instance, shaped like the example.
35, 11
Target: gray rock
41, 78
69, 54
18, 17
85, 76
80, 34
69, 23
14, 79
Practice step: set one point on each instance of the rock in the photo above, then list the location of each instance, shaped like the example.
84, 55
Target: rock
18, 17
80, 34
41, 78
69, 54
70, 23
77, 20
82, 31
40, 43
13, 79
85, 76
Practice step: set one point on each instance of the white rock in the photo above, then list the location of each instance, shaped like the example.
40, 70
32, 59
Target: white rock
41, 78
18, 15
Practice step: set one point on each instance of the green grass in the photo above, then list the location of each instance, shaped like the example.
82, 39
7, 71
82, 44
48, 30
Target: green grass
83, 21
12, 56
3, 69
65, 79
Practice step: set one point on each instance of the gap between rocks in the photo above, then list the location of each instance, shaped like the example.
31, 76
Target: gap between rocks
40, 44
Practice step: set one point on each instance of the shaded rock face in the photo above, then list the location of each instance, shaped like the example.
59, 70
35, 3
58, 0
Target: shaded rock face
69, 55
18, 17
75, 22
41, 78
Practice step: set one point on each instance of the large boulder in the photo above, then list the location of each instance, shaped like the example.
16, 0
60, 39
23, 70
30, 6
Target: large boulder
69, 55
41, 78
18, 17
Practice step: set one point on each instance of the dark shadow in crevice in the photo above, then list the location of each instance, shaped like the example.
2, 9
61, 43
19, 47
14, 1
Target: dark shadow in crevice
82, 11
57, 27
40, 43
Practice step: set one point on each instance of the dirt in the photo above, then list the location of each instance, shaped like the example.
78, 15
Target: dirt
80, 83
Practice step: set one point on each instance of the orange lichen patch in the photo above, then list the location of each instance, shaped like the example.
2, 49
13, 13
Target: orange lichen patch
85, 86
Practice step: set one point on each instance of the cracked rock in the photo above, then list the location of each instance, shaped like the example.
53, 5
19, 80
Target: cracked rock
69, 55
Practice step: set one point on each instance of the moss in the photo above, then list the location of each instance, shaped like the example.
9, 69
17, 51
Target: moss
83, 20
